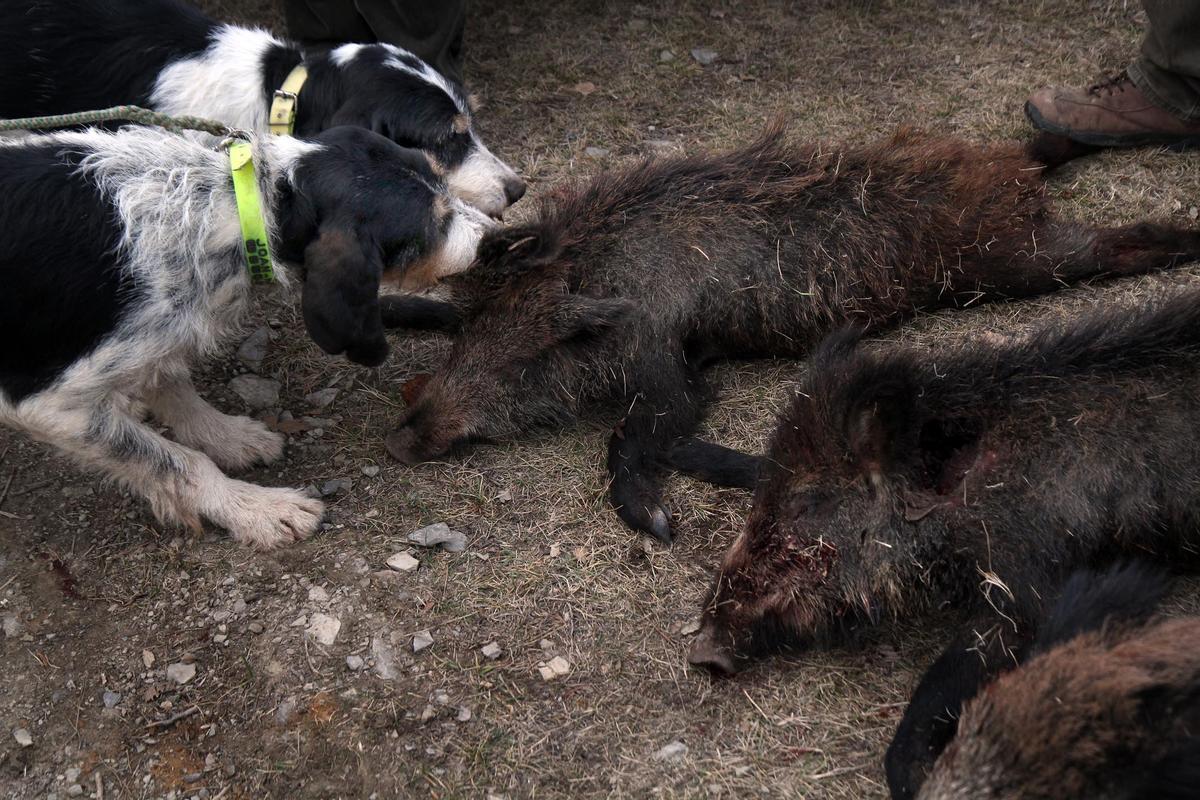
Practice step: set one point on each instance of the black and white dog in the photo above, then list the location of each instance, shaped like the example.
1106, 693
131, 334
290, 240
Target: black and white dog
62, 56
121, 262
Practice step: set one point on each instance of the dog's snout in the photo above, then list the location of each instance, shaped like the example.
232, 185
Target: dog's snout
514, 189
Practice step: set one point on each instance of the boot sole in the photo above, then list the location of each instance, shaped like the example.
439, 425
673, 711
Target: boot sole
1172, 142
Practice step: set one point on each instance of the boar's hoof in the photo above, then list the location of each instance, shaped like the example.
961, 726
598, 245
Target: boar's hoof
707, 653
648, 519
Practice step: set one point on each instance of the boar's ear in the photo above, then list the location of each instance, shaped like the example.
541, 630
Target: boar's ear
517, 248
341, 295
584, 316
881, 427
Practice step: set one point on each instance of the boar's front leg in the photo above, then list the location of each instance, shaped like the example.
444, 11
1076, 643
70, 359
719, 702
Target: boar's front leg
931, 718
664, 402
714, 463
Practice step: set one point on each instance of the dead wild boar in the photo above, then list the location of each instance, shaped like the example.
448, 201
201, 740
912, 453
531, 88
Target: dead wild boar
904, 479
620, 291
1108, 712
1125, 595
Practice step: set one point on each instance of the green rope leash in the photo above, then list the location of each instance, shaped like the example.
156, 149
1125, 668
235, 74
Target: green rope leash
137, 114
255, 241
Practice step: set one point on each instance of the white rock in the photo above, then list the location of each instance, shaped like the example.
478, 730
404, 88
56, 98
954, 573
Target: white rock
403, 562
318, 595
254, 349
11, 624
23, 737
181, 673
595, 152
421, 640
556, 667
385, 658
148, 658
439, 534
704, 55
322, 399
370, 470
111, 699
354, 663
666, 55
324, 629
671, 752
257, 392
464, 714
491, 650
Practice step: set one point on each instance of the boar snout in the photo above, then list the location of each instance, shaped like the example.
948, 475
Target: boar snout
709, 652
401, 446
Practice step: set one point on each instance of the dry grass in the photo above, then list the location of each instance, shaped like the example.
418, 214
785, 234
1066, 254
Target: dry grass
552, 563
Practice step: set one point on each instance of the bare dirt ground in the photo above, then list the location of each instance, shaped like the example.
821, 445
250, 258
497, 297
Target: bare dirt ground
98, 601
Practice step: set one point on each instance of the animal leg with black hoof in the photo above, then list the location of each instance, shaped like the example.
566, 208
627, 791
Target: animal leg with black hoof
666, 407
418, 313
714, 463
931, 719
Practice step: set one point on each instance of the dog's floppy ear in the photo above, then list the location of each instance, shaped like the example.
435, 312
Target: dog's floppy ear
341, 295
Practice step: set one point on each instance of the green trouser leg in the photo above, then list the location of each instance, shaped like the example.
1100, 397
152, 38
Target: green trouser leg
432, 29
1169, 70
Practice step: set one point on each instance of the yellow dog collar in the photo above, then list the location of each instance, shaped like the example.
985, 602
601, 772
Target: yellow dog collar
283, 104
255, 243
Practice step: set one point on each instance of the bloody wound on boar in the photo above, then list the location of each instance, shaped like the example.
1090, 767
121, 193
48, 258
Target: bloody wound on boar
978, 475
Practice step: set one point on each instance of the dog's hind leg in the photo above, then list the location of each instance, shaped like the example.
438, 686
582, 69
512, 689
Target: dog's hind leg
232, 442
182, 485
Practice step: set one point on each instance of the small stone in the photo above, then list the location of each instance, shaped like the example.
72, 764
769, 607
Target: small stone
255, 627
11, 624
72, 775
219, 638
385, 658
111, 699
256, 392
23, 737
595, 152
439, 534
354, 663
491, 651
370, 470
403, 562
671, 752
464, 714
555, 550
336, 486
666, 56
75, 790
556, 667
318, 595
421, 640
505, 496
322, 399
181, 673
704, 56
285, 710
324, 629
239, 606
428, 713
299, 622
254, 349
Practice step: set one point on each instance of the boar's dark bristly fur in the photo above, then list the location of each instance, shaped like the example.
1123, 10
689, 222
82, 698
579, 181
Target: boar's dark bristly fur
1109, 712
905, 479
621, 290
1126, 595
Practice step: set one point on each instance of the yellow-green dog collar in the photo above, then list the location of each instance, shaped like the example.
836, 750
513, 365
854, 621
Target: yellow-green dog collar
282, 119
255, 243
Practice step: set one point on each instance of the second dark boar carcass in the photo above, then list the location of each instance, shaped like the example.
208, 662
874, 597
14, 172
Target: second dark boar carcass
979, 474
619, 291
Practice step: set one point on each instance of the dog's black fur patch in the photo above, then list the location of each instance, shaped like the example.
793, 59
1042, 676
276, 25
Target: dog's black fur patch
63, 287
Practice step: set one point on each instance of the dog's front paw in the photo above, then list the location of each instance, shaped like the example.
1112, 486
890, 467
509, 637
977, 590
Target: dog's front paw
246, 442
265, 518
